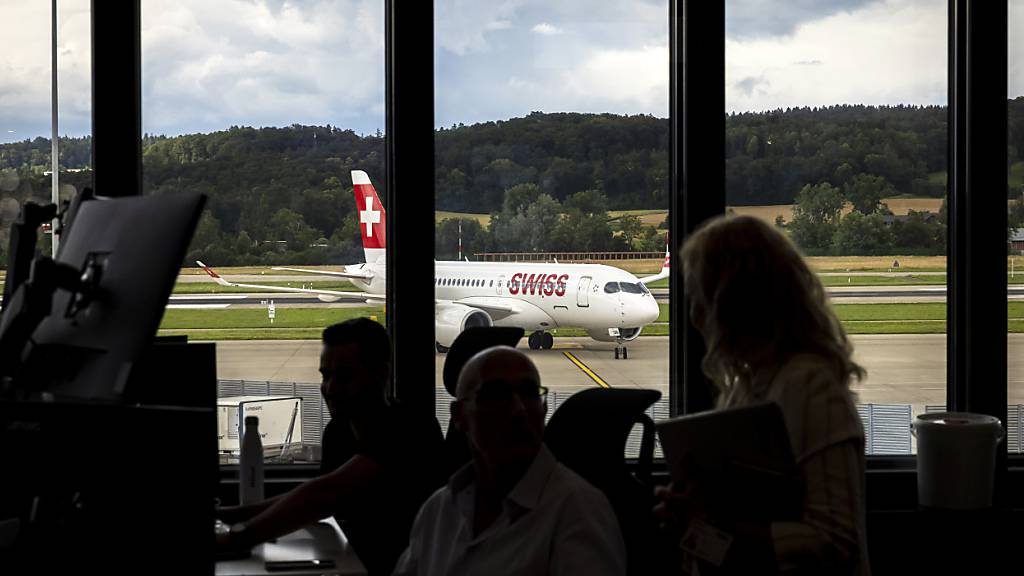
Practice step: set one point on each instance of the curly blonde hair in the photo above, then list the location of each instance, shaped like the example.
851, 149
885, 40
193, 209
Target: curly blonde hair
757, 303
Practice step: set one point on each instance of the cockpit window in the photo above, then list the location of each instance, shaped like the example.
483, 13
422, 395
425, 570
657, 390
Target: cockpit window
631, 288
611, 288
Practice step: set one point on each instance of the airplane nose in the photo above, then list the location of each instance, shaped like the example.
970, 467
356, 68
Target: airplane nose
653, 310
645, 312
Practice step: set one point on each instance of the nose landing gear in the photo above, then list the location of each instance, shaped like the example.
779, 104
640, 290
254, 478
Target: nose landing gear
623, 351
541, 340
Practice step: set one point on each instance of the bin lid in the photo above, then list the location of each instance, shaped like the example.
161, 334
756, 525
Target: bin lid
957, 420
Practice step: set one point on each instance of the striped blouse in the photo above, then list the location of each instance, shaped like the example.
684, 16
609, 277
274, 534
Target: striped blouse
827, 439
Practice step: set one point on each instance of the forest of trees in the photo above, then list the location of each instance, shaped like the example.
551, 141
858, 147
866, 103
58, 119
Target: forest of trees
283, 195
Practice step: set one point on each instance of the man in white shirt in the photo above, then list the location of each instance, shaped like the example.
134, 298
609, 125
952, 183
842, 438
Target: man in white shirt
514, 509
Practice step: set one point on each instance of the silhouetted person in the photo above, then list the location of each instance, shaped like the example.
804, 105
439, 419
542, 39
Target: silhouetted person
380, 460
514, 509
771, 336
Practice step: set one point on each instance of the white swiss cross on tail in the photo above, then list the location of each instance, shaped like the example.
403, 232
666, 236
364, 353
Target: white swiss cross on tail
372, 219
369, 216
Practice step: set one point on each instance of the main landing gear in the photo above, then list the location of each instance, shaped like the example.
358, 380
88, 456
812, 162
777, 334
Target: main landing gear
541, 339
622, 349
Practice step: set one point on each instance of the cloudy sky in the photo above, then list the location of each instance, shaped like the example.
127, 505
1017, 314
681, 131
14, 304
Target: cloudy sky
211, 64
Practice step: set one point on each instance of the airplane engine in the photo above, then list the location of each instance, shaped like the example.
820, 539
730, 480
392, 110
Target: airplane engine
615, 334
451, 319
327, 298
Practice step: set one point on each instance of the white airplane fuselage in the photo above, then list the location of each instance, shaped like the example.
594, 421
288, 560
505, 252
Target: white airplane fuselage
610, 304
550, 295
547, 295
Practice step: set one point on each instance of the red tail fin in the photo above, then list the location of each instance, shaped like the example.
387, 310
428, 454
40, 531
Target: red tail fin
372, 220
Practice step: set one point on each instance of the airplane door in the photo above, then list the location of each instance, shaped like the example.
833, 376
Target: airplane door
583, 294
501, 281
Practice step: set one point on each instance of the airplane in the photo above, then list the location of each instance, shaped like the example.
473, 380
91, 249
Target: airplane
610, 304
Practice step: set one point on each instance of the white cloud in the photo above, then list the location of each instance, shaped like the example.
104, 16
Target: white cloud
207, 67
885, 53
546, 29
1015, 49
211, 64
627, 81
461, 26
25, 69
767, 18
571, 55
498, 25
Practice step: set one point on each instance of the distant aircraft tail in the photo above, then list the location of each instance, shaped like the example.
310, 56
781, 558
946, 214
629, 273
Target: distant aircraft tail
666, 269
372, 221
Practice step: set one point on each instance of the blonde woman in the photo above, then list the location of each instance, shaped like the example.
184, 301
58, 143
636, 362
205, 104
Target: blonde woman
771, 336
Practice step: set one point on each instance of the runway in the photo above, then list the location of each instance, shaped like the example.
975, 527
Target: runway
902, 369
844, 295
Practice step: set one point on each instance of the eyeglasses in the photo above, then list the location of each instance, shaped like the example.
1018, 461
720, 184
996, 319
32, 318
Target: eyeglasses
495, 393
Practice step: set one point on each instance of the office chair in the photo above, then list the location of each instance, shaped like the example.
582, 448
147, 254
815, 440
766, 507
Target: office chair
588, 434
468, 344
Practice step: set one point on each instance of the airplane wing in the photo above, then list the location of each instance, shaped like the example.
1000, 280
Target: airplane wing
326, 295
497, 308
665, 270
362, 275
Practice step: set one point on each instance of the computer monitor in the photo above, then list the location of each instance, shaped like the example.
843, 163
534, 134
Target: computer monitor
133, 248
105, 488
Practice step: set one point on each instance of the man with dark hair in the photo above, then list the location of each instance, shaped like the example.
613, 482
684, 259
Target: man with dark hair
380, 460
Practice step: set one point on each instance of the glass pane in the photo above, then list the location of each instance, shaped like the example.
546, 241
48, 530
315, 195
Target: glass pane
852, 167
551, 182
1015, 231
271, 110
26, 170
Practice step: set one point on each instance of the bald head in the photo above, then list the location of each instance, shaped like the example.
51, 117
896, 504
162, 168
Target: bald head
500, 407
499, 362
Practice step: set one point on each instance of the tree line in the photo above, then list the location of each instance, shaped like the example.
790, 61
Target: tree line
283, 195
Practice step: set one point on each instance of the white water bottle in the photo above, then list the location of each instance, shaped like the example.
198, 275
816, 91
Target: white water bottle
250, 474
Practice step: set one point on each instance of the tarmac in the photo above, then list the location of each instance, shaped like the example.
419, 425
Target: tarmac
902, 369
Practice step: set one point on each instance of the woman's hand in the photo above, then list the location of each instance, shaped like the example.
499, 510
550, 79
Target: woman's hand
678, 505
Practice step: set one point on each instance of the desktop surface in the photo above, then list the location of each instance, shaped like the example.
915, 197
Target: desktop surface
318, 549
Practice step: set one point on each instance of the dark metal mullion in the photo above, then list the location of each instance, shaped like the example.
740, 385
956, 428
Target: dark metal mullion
976, 315
409, 62
957, 272
116, 98
697, 149
987, 216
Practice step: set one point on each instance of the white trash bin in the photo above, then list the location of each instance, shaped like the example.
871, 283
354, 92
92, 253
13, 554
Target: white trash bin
956, 455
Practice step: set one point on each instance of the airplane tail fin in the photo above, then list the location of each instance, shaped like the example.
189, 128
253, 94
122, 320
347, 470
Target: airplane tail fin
213, 274
372, 221
666, 268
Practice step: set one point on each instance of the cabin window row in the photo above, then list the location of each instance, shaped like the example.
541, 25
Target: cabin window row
470, 282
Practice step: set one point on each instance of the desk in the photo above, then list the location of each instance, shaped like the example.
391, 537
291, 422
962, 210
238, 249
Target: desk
322, 541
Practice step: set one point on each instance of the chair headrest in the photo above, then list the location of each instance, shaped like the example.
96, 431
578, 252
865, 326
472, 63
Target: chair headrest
471, 342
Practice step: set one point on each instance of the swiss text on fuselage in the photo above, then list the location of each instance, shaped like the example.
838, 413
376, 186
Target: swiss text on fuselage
539, 284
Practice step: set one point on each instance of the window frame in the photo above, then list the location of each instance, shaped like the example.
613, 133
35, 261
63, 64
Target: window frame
977, 149
976, 282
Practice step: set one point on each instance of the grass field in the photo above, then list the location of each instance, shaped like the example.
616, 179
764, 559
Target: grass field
306, 323
483, 219
648, 217
854, 281
879, 263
